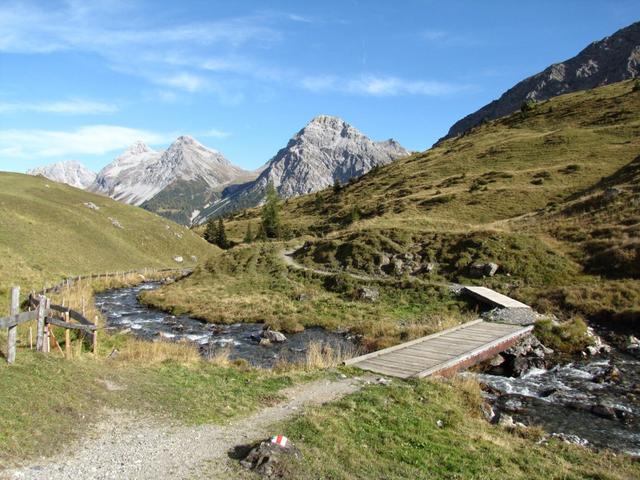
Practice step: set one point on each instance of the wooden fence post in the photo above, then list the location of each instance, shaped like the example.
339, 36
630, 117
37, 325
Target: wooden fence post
13, 331
95, 340
67, 338
42, 312
47, 328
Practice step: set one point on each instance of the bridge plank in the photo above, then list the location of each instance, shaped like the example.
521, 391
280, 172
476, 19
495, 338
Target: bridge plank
442, 353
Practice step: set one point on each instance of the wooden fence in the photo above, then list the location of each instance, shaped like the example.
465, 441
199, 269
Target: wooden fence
47, 315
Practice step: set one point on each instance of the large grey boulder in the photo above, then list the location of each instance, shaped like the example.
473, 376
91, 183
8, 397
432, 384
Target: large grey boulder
480, 270
368, 294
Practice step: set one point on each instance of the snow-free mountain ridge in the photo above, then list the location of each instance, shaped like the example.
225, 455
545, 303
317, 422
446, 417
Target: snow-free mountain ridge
325, 151
612, 59
70, 172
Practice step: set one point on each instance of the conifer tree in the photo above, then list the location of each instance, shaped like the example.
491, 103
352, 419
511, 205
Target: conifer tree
221, 235
248, 236
271, 213
211, 231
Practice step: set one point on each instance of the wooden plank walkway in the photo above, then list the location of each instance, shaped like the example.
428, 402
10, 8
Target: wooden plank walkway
443, 353
492, 297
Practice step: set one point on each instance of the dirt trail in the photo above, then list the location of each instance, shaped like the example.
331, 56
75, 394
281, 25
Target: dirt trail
124, 447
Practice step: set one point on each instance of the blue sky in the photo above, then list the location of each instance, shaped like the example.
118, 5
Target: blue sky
82, 80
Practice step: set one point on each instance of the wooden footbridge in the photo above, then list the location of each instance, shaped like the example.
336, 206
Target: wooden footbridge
443, 353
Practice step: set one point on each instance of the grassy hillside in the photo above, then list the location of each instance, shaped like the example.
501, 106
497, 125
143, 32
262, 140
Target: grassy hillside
47, 232
433, 430
502, 169
551, 195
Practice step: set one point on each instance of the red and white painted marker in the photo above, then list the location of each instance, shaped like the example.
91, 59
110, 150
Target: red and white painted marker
280, 440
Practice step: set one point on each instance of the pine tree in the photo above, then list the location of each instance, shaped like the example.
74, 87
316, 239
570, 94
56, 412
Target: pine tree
271, 213
248, 236
211, 232
221, 235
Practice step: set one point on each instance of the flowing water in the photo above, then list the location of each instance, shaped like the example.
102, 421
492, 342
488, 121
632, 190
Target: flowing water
124, 312
597, 400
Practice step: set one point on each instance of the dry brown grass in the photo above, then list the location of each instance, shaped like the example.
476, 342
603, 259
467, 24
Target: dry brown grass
321, 355
148, 353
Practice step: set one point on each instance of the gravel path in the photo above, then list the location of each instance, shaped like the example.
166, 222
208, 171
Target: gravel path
124, 447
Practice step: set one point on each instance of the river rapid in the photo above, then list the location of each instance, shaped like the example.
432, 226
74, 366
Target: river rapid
595, 401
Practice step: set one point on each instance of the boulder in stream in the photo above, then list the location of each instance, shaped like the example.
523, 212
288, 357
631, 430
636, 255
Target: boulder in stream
273, 336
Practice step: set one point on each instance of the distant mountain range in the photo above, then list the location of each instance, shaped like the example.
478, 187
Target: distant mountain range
610, 60
188, 182
174, 183
70, 172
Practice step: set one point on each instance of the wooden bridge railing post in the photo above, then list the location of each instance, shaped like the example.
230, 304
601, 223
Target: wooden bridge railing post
13, 331
42, 312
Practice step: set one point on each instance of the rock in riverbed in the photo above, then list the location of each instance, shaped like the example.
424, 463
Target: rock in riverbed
273, 336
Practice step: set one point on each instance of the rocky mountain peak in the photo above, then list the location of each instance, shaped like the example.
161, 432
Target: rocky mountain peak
612, 59
70, 172
323, 127
138, 148
326, 150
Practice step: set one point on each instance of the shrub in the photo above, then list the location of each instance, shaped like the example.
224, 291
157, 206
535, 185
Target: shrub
636, 85
528, 106
569, 337
341, 283
572, 168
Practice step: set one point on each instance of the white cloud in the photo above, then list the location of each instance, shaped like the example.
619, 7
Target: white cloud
215, 133
87, 140
26, 28
380, 86
184, 81
70, 107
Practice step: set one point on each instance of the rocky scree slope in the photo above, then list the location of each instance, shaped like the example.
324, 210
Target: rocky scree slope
612, 59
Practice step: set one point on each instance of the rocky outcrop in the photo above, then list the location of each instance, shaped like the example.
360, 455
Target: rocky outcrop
612, 59
69, 172
367, 294
480, 270
268, 458
528, 353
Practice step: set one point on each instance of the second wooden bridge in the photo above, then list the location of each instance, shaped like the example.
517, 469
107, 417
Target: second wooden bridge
443, 353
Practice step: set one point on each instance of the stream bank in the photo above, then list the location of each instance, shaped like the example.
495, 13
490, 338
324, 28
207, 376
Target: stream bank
124, 313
